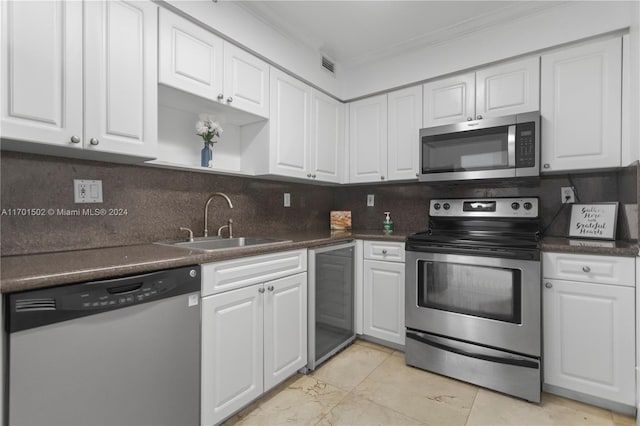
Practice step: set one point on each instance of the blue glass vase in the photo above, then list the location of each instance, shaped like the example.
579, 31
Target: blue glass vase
205, 156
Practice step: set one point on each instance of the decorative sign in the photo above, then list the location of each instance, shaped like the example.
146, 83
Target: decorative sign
597, 220
340, 220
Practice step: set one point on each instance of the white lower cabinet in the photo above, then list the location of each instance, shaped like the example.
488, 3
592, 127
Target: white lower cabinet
383, 291
253, 337
589, 328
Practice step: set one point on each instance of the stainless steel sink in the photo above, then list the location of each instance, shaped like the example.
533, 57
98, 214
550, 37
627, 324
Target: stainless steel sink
218, 243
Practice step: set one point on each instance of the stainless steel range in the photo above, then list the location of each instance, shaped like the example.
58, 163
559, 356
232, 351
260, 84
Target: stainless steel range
473, 294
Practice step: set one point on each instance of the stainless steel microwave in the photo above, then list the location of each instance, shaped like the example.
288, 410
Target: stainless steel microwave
500, 147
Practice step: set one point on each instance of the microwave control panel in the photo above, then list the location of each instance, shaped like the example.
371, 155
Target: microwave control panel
526, 145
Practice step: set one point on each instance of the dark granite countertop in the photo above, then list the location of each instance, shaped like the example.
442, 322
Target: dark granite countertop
578, 246
19, 273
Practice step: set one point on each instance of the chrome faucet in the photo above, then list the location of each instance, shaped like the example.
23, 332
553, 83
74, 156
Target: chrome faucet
206, 210
229, 227
190, 239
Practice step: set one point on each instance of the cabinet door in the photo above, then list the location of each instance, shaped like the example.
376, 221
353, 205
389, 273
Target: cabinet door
581, 107
511, 88
404, 121
121, 83
190, 57
289, 125
246, 81
368, 139
42, 72
449, 100
285, 328
327, 138
384, 300
232, 360
589, 334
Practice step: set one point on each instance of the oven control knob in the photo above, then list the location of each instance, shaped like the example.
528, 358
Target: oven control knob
446, 206
436, 206
527, 205
515, 205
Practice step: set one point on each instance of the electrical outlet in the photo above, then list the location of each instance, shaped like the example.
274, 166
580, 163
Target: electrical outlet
287, 199
371, 200
567, 194
87, 191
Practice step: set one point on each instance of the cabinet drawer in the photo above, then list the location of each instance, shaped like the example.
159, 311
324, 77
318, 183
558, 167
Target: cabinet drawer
589, 268
231, 274
382, 250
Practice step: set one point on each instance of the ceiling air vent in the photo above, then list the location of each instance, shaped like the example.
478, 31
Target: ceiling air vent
35, 305
328, 65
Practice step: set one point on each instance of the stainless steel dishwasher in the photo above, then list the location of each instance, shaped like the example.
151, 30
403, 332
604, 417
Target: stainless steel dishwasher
331, 306
123, 351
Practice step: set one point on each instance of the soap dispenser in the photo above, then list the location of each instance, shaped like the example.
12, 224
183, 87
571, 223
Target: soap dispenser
387, 225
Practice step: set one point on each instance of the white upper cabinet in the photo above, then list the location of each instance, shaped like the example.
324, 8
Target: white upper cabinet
190, 57
449, 100
306, 128
51, 53
505, 89
42, 72
199, 62
368, 139
246, 81
581, 107
289, 126
404, 123
121, 85
383, 136
327, 138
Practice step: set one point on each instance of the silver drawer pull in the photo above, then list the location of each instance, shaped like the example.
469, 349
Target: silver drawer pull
270, 288
384, 251
548, 285
586, 269
261, 290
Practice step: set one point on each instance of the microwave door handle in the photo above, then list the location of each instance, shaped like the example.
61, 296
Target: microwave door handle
511, 146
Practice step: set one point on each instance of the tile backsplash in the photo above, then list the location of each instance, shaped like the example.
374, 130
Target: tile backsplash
146, 204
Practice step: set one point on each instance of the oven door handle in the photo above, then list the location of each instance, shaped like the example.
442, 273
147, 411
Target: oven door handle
509, 361
511, 146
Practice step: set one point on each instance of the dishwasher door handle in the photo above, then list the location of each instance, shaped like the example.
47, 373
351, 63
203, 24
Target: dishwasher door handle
124, 289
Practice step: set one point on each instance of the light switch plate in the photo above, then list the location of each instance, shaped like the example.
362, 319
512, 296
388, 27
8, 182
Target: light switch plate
287, 199
87, 191
370, 200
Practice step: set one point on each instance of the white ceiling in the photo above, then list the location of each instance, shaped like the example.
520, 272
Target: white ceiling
352, 32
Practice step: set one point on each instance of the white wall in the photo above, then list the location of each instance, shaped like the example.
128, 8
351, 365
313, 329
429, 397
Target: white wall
232, 20
562, 24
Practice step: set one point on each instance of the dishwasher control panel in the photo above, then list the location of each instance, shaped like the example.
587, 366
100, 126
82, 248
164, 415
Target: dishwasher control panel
117, 296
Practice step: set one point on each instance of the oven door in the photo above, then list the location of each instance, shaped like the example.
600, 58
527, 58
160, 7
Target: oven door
490, 301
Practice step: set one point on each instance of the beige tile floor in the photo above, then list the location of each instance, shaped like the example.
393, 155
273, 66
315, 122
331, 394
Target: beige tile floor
367, 384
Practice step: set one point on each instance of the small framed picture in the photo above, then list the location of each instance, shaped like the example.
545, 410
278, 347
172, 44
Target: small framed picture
340, 220
595, 220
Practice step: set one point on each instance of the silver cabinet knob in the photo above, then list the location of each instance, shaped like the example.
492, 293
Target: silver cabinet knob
479, 117
546, 165
229, 99
381, 177
313, 176
308, 175
586, 269
75, 139
261, 290
384, 251
94, 141
270, 288
220, 96
548, 285
417, 174
469, 118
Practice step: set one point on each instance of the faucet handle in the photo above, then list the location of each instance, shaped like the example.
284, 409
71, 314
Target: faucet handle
190, 233
229, 226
